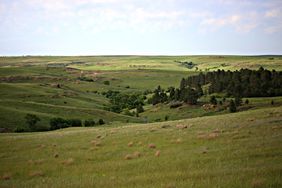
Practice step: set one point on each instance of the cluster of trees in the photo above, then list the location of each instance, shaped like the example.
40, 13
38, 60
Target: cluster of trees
184, 93
238, 84
187, 64
121, 101
58, 123
233, 104
55, 123
244, 83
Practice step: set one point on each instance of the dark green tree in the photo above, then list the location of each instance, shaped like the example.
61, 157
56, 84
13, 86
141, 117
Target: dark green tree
58, 123
139, 109
101, 122
238, 101
89, 123
31, 120
232, 106
166, 117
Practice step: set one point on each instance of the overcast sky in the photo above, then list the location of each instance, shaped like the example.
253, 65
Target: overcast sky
148, 27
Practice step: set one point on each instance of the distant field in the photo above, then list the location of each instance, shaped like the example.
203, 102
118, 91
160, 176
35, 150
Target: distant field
105, 63
233, 150
29, 84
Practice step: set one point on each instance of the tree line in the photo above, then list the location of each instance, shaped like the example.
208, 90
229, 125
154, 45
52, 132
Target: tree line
56, 123
124, 102
238, 84
243, 83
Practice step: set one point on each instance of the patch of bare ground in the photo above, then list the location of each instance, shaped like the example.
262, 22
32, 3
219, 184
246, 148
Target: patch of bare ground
37, 173
6, 176
209, 136
67, 162
257, 183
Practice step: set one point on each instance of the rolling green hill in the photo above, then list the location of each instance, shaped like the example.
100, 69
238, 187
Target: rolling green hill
232, 150
30, 84
191, 147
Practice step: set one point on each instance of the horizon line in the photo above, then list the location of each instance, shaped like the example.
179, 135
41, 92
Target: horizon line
109, 55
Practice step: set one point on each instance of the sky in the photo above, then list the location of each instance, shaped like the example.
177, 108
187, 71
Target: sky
140, 27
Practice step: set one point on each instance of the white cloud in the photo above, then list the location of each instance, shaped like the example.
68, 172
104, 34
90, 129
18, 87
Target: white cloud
273, 13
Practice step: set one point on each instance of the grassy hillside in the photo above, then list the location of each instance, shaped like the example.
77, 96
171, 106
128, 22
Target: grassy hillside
29, 84
147, 62
232, 150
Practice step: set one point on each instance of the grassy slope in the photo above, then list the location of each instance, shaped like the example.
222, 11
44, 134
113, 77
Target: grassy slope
150, 62
31, 90
233, 150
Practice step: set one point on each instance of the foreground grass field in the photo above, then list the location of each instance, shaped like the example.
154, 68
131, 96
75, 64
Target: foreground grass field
233, 150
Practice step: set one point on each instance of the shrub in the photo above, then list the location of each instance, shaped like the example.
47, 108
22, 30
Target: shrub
85, 79
166, 117
74, 122
238, 101
139, 108
19, 130
31, 121
106, 82
89, 123
101, 122
232, 107
58, 123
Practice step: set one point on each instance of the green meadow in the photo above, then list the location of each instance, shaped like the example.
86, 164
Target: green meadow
232, 150
187, 146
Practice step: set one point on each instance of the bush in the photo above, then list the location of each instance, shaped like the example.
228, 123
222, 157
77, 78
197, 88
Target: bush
166, 117
74, 122
31, 121
101, 122
89, 123
238, 101
19, 130
85, 79
106, 82
139, 109
232, 106
58, 123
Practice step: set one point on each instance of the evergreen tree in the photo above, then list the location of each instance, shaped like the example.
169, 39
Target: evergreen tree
182, 84
171, 93
139, 109
177, 95
101, 122
238, 101
232, 106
